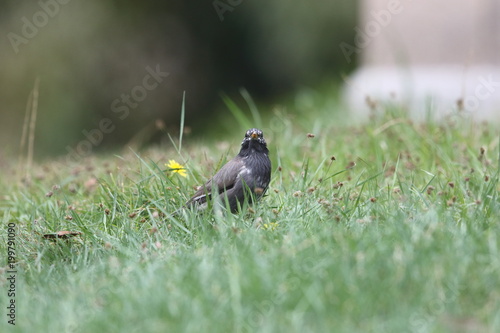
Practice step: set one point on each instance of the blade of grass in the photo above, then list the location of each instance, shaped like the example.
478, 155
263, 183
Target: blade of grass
253, 108
31, 139
238, 113
183, 114
24, 134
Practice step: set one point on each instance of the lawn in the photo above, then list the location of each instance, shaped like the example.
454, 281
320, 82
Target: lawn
380, 225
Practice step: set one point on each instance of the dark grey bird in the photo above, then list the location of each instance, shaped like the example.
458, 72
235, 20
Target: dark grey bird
243, 179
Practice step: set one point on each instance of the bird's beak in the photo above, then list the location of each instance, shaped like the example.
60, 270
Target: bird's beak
254, 135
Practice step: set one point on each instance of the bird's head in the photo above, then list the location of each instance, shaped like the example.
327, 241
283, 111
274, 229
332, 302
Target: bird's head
254, 139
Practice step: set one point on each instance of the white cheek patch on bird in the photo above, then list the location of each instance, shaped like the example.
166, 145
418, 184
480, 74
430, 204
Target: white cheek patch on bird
246, 171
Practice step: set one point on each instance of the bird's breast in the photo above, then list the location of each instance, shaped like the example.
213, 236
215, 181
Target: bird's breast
257, 170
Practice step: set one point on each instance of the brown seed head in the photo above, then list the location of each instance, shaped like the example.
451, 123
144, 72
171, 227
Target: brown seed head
430, 189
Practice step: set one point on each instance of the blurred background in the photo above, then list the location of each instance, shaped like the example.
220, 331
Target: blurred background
104, 74
129, 62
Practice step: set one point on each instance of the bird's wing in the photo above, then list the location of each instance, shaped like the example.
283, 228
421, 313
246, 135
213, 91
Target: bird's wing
225, 178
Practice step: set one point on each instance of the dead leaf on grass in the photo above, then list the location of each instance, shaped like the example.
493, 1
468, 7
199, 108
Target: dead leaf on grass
62, 234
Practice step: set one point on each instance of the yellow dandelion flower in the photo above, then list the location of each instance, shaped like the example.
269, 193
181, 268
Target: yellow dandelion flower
271, 226
176, 168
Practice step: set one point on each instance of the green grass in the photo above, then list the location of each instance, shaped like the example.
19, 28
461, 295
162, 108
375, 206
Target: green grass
399, 232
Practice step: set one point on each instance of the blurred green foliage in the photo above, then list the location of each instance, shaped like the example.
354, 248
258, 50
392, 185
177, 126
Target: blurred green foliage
89, 56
